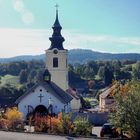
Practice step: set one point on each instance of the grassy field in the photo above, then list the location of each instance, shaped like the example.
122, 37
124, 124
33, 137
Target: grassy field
9, 79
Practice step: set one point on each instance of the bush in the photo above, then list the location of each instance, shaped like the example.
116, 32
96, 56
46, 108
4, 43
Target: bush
14, 117
13, 114
55, 124
41, 123
5, 124
61, 124
82, 127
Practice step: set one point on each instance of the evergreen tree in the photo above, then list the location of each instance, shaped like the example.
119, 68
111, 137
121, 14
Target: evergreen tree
23, 76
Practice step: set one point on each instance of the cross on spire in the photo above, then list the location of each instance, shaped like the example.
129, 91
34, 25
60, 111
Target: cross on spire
40, 96
56, 7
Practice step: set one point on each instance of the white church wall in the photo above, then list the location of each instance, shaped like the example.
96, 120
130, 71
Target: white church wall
33, 100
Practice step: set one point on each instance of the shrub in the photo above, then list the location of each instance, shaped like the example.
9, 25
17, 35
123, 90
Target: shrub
41, 123
55, 124
67, 124
5, 124
14, 116
82, 127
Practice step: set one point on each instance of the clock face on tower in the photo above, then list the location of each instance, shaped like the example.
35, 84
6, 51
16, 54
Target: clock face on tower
55, 51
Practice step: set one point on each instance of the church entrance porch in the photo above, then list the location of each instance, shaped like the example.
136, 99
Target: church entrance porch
41, 110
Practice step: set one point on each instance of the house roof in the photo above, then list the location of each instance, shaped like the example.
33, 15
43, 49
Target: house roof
107, 91
73, 93
52, 88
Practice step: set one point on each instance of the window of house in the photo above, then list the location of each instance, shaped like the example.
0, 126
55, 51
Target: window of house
55, 62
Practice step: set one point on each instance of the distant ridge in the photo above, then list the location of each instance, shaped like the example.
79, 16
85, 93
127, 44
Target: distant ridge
78, 56
22, 58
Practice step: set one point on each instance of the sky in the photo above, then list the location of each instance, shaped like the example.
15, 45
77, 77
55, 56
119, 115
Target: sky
100, 25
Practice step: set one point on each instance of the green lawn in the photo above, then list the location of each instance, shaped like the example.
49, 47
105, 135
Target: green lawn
9, 79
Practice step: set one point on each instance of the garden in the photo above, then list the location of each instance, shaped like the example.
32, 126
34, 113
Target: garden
11, 120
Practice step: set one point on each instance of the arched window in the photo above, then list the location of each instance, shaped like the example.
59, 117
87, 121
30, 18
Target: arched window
55, 62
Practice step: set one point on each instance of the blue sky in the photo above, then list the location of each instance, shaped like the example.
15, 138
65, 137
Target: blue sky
101, 25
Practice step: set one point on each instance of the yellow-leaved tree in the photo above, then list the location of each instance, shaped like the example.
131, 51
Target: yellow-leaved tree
14, 116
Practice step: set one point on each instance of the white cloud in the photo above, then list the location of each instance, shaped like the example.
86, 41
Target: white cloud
26, 15
18, 5
78, 37
15, 42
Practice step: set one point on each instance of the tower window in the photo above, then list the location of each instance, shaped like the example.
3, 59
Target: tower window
55, 62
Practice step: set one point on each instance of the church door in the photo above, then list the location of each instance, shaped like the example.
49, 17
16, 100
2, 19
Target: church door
41, 110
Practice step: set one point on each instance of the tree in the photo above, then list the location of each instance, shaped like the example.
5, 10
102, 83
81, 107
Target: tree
116, 65
14, 116
78, 68
23, 76
93, 64
89, 73
126, 112
39, 75
70, 67
136, 71
32, 76
101, 72
108, 76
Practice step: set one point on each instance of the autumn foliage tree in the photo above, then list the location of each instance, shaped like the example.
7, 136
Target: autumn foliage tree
13, 115
126, 114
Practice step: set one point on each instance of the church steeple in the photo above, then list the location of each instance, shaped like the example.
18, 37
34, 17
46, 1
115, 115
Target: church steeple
56, 23
57, 56
56, 39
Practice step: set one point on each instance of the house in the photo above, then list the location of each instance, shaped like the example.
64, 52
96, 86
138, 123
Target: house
106, 99
75, 102
42, 96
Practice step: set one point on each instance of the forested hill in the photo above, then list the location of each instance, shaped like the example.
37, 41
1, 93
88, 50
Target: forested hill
80, 56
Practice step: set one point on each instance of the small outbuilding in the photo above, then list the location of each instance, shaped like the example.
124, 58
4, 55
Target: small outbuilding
106, 99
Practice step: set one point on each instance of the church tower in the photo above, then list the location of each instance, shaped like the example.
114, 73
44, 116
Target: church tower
56, 61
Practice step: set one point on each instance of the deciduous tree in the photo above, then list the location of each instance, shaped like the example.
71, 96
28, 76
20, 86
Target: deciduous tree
126, 115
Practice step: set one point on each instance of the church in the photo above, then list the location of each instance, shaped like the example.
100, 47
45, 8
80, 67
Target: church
49, 94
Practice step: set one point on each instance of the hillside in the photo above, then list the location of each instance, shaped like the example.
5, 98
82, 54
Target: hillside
9, 79
80, 56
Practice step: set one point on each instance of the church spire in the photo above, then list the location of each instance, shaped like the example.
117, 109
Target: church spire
56, 39
56, 23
